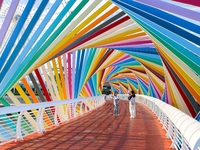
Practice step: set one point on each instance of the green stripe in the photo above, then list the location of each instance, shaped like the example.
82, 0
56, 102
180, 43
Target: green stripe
9, 121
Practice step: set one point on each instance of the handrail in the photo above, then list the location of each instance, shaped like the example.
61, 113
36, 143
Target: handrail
183, 130
24, 107
17, 122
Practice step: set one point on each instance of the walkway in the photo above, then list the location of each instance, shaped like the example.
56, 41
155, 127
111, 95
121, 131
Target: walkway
100, 129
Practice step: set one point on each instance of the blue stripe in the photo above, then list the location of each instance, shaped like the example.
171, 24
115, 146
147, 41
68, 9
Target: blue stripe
15, 33
34, 51
8, 122
164, 24
94, 81
80, 70
36, 34
5, 133
91, 86
23, 39
85, 71
179, 47
77, 74
165, 16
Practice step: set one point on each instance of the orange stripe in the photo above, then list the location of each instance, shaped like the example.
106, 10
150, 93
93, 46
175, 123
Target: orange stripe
89, 27
30, 91
35, 100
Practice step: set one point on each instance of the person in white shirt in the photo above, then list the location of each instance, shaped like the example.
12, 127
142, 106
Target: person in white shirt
132, 109
116, 101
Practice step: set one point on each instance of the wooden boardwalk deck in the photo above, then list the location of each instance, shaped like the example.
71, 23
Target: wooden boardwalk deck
100, 129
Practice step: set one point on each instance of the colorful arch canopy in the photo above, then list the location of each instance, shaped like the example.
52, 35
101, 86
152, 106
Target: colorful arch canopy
56, 50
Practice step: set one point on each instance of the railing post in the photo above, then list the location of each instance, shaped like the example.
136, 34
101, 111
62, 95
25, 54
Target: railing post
173, 145
86, 107
75, 115
39, 121
94, 103
168, 135
18, 130
81, 111
67, 113
102, 100
55, 116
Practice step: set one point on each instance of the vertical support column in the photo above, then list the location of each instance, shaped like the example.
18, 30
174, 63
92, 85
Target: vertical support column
55, 116
169, 129
40, 124
67, 112
75, 115
81, 111
86, 107
173, 145
18, 130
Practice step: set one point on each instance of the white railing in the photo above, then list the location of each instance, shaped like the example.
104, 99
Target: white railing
19, 121
183, 130
123, 96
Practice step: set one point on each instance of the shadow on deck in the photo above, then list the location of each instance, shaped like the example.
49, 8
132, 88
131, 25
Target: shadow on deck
100, 129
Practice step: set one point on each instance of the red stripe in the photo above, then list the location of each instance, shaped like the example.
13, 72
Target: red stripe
191, 2
46, 94
102, 31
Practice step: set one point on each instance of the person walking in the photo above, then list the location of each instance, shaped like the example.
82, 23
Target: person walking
116, 101
132, 108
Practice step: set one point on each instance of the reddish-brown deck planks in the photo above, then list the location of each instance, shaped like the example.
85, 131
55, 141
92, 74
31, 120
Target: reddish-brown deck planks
100, 129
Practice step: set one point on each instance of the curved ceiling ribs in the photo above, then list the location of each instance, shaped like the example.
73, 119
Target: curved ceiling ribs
55, 50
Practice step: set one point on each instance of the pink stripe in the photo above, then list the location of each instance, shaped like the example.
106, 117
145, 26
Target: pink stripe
1, 1
88, 89
69, 74
156, 90
8, 19
121, 59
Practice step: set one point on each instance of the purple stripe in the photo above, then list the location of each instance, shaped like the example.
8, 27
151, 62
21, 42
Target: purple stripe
8, 19
172, 8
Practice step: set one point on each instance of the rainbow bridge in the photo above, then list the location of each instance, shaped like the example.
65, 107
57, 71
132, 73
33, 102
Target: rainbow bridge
57, 55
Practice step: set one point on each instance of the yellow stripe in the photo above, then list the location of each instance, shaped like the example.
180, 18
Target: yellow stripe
62, 78
53, 81
27, 101
58, 48
23, 95
118, 37
57, 79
